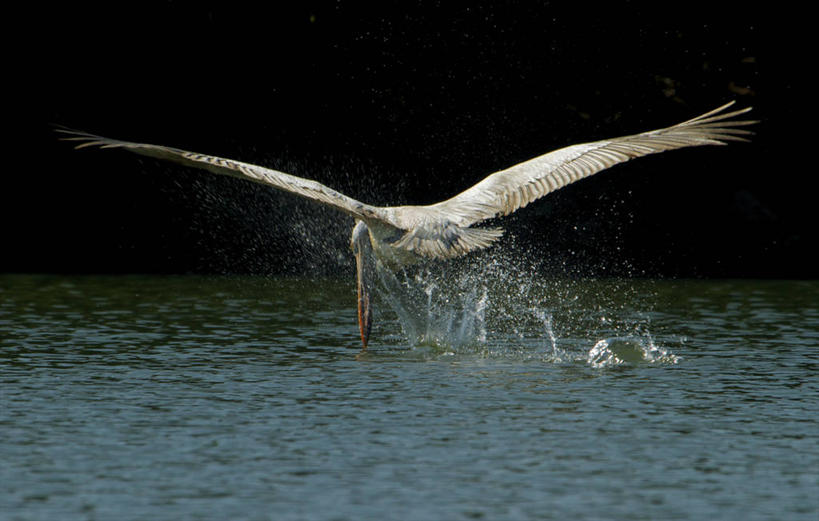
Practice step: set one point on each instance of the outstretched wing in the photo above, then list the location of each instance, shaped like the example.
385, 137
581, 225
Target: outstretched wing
290, 183
505, 191
442, 230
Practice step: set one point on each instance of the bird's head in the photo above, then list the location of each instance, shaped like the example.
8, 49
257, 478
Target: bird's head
364, 269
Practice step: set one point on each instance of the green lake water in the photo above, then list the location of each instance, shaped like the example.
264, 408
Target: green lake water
145, 397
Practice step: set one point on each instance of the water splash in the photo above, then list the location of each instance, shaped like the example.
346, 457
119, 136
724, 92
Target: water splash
610, 352
434, 310
496, 305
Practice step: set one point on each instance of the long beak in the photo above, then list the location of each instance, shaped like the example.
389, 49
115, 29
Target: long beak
365, 312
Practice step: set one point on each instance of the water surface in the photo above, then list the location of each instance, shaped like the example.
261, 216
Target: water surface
242, 398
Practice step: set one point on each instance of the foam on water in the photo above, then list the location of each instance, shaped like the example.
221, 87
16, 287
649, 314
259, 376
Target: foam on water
497, 305
610, 352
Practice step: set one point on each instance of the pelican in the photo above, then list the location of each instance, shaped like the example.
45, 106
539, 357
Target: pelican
398, 236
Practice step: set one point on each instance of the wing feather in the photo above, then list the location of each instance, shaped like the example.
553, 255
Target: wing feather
296, 185
508, 190
442, 230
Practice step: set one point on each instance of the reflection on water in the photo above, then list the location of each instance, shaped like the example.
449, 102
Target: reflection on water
220, 398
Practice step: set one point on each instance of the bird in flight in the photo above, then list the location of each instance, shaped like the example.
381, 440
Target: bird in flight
398, 236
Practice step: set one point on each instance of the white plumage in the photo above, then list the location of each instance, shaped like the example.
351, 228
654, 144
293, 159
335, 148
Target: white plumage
403, 234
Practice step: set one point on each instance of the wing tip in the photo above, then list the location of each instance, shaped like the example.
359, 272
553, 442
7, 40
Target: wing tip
83, 139
719, 114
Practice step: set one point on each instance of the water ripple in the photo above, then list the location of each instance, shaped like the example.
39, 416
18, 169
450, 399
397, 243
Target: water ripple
185, 397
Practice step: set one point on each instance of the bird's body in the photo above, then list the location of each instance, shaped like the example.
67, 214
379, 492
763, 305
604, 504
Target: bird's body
401, 235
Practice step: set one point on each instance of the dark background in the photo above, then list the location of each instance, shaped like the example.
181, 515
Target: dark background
401, 103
